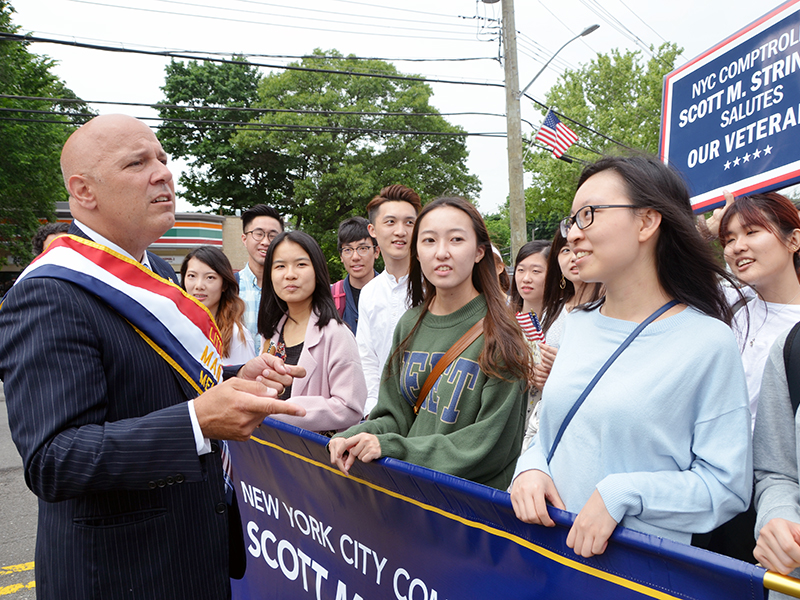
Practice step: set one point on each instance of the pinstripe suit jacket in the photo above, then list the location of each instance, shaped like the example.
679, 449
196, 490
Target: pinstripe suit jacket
127, 509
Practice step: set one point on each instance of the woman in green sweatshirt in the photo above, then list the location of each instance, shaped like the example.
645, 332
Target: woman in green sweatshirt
471, 422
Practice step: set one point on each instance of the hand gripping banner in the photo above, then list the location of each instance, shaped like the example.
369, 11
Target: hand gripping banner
395, 530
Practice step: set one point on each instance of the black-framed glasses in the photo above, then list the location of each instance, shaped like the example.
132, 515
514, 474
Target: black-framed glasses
585, 216
259, 234
347, 252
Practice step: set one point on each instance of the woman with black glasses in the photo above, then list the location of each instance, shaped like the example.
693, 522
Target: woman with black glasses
656, 439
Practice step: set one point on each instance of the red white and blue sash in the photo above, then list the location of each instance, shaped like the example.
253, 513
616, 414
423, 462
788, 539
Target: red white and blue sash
172, 322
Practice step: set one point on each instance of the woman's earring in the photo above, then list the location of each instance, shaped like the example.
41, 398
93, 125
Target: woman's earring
563, 283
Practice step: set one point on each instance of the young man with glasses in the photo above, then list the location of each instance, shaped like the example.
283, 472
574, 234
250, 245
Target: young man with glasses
358, 251
260, 225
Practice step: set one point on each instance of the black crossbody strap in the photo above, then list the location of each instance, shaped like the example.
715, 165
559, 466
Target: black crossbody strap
602, 370
791, 362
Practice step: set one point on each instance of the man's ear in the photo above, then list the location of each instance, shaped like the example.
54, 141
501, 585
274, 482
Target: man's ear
80, 190
371, 229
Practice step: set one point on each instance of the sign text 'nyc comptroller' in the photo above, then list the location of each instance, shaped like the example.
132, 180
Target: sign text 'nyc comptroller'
731, 117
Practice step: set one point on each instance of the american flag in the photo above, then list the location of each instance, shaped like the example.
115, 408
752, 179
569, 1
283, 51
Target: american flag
531, 327
556, 135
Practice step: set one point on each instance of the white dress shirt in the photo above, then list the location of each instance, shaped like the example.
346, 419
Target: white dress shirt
380, 306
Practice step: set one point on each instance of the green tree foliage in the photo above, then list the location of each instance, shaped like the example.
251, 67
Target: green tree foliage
30, 173
499, 231
617, 94
221, 175
349, 157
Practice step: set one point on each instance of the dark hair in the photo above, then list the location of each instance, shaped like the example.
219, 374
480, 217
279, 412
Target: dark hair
393, 193
771, 211
271, 308
505, 354
260, 210
555, 297
529, 249
685, 265
503, 278
45, 230
352, 230
231, 307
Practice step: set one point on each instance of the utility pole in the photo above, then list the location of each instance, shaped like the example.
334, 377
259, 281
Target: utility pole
516, 191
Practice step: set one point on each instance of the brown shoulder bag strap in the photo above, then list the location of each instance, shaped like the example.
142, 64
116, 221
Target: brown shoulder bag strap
455, 350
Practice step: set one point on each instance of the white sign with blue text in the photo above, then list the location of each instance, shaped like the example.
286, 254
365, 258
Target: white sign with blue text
730, 116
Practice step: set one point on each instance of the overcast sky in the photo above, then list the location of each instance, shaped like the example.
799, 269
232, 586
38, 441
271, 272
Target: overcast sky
392, 30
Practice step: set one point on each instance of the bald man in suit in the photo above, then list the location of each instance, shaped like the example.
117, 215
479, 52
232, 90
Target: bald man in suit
116, 444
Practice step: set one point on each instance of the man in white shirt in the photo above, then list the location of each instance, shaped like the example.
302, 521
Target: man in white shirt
392, 214
260, 225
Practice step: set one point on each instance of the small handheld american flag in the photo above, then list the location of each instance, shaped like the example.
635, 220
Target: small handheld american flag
531, 327
556, 135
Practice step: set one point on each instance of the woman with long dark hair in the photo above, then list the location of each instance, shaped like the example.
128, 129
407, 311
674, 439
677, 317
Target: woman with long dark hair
527, 287
299, 322
563, 289
527, 292
660, 442
470, 424
206, 274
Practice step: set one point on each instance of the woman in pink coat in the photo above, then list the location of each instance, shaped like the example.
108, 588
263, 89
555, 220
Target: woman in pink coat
299, 322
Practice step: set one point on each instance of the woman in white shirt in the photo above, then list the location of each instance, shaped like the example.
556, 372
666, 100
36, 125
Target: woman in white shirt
206, 274
760, 235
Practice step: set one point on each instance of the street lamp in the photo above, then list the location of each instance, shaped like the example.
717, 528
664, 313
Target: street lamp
583, 33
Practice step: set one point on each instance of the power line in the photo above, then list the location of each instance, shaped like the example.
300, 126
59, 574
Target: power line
609, 18
273, 24
315, 11
569, 29
565, 157
193, 56
642, 20
251, 109
545, 53
253, 126
256, 111
21, 38
294, 56
420, 12
646, 24
578, 123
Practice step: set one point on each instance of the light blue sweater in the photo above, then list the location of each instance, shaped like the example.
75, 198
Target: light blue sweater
665, 434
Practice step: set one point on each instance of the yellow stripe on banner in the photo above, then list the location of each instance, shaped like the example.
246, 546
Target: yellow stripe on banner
167, 358
28, 566
13, 589
572, 564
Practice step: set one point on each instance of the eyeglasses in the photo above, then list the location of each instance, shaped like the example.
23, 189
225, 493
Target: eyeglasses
260, 234
347, 252
585, 217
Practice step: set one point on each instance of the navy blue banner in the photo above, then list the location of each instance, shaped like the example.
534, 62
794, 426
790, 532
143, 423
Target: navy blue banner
730, 116
395, 530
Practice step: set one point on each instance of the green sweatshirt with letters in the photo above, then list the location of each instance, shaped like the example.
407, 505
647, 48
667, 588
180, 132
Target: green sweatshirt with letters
470, 425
